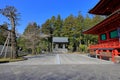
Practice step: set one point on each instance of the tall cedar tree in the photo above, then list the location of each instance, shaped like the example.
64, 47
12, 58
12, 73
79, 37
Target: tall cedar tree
58, 27
72, 27
45, 27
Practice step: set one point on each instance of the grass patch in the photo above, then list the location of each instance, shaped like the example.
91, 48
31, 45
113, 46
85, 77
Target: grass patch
5, 60
15, 60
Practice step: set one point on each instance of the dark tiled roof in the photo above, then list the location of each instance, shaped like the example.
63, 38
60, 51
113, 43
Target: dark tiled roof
60, 39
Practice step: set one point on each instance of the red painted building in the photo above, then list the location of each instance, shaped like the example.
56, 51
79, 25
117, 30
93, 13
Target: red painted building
108, 30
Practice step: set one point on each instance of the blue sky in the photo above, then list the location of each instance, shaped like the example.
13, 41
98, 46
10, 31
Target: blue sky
40, 10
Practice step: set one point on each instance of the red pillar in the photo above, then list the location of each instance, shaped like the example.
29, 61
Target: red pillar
101, 54
114, 53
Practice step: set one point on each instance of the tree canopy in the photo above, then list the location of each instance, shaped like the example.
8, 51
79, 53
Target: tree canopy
11, 13
3, 33
72, 27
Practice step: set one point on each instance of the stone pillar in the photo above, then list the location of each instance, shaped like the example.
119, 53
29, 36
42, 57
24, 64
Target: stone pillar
56, 46
63, 46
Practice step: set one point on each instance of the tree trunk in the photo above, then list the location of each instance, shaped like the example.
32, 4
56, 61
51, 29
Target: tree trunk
13, 40
33, 51
33, 47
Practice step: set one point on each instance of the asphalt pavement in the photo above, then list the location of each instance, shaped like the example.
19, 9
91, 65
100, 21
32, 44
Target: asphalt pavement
54, 59
60, 67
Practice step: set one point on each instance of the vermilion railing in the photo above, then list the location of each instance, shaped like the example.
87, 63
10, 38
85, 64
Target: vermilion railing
112, 44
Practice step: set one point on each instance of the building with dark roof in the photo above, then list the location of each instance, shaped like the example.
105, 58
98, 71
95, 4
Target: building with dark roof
60, 44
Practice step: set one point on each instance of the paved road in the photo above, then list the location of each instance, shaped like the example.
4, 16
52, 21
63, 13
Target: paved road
53, 59
60, 67
80, 59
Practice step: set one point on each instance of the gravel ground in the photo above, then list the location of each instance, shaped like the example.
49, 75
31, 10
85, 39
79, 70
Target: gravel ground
60, 72
60, 67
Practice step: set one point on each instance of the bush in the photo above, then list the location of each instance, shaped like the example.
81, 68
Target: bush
83, 48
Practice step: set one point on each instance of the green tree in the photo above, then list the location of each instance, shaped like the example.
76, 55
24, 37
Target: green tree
93, 39
68, 29
58, 27
3, 33
45, 27
79, 25
11, 13
48, 28
73, 27
32, 36
87, 25
96, 19
21, 41
68, 26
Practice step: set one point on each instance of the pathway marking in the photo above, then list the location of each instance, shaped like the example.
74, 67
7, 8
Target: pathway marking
58, 59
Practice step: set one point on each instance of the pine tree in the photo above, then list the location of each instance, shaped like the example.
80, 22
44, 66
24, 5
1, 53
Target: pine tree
11, 13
